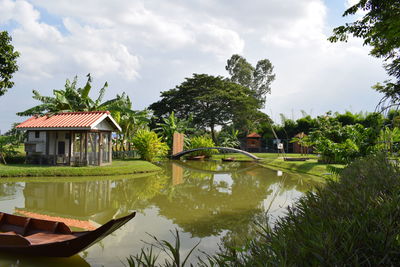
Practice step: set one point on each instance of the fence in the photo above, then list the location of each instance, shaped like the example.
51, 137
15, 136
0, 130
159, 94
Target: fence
125, 154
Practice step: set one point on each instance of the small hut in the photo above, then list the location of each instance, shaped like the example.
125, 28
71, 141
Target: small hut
298, 147
253, 142
70, 138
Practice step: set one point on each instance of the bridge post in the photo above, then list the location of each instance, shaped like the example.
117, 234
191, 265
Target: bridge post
177, 143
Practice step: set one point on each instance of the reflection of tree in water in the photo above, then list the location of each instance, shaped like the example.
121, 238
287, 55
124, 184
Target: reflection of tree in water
202, 204
97, 200
206, 205
136, 194
9, 190
214, 166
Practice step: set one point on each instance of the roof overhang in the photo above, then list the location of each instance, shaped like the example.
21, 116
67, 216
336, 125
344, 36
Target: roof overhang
106, 116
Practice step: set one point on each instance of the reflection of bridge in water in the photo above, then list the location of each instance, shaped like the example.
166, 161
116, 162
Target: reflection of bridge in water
180, 154
186, 166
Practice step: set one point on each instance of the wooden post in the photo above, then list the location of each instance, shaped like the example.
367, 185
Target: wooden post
100, 148
177, 144
110, 147
47, 143
55, 148
86, 148
70, 147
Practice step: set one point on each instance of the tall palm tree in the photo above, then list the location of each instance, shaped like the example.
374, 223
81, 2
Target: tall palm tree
69, 99
130, 120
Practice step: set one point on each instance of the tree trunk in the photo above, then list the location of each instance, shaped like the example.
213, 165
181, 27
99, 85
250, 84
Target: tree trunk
213, 133
4, 159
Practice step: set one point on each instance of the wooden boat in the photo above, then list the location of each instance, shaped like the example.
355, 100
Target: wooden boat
228, 159
201, 157
36, 237
296, 159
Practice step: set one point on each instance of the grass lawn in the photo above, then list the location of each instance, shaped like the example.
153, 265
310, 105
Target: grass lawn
241, 157
272, 160
118, 167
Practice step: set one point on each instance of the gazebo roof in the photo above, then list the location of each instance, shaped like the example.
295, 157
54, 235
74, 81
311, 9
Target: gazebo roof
254, 135
84, 120
300, 135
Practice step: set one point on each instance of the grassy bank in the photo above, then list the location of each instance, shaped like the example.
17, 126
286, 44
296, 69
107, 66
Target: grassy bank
310, 166
118, 167
271, 160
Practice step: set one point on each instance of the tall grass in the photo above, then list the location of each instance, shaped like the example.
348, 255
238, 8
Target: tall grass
149, 256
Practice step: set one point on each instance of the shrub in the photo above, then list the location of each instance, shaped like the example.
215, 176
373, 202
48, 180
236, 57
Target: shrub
15, 159
149, 145
202, 141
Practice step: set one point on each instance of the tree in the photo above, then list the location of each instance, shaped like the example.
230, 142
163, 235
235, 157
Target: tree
172, 124
8, 146
258, 79
8, 62
211, 100
69, 99
131, 121
380, 28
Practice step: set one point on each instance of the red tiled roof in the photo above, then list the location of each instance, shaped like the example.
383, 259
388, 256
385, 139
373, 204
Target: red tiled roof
83, 119
253, 135
300, 135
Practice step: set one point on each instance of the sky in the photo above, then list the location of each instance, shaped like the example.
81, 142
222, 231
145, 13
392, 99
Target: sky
144, 47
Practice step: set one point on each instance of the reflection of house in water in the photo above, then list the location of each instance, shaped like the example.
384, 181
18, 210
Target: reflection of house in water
85, 201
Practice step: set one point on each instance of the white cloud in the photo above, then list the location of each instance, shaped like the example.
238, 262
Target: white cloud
146, 46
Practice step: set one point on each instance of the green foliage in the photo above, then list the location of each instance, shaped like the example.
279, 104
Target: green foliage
130, 120
202, 141
18, 135
380, 29
258, 79
8, 147
229, 139
388, 140
149, 145
172, 124
342, 144
69, 99
353, 222
8, 62
211, 100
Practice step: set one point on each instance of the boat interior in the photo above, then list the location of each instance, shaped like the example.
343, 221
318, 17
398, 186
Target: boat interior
22, 231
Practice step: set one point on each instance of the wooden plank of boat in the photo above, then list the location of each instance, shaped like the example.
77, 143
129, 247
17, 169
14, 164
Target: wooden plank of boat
36, 237
295, 159
228, 159
201, 157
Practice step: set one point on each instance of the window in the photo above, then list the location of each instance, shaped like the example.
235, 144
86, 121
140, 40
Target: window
37, 134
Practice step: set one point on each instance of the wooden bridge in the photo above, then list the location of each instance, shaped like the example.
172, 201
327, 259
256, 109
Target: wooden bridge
180, 154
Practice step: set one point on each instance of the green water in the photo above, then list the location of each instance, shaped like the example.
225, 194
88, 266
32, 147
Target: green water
212, 202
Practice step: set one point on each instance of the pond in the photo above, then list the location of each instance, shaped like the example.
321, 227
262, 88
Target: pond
211, 202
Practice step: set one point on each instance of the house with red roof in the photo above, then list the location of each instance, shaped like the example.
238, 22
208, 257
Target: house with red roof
253, 142
70, 138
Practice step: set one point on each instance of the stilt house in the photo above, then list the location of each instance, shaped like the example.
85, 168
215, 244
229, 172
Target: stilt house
70, 138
